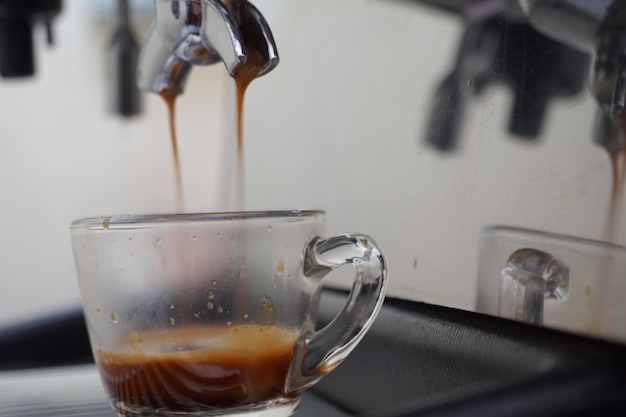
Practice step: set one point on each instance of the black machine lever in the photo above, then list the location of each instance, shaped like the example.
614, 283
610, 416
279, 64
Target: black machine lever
17, 21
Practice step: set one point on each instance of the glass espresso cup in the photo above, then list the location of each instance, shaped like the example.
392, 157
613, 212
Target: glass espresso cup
214, 314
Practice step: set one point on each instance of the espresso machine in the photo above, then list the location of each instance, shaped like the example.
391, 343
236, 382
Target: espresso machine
438, 117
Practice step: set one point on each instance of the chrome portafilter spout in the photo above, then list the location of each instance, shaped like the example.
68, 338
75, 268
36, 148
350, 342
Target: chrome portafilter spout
202, 32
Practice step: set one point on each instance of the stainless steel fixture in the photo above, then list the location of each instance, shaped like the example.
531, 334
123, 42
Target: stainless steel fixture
201, 32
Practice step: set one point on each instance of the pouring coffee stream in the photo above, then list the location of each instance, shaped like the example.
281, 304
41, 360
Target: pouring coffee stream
618, 170
610, 132
170, 101
204, 32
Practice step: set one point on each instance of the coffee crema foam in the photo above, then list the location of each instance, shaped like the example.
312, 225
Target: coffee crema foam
198, 368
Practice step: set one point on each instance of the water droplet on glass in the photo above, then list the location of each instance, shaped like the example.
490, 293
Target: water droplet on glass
211, 295
210, 305
229, 323
266, 313
98, 311
219, 235
269, 227
214, 283
115, 318
195, 237
196, 315
130, 238
158, 241
246, 317
134, 337
172, 321
220, 309
280, 268
172, 307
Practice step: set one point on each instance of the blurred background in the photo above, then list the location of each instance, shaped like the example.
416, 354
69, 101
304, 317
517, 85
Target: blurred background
340, 125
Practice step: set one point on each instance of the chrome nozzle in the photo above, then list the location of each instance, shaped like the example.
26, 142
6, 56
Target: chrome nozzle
202, 32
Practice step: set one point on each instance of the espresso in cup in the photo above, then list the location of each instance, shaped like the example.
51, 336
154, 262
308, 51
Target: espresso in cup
214, 314
192, 368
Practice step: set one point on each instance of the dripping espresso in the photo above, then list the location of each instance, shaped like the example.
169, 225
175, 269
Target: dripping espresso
254, 66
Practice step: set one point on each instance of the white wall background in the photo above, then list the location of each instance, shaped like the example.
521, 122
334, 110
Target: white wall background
338, 125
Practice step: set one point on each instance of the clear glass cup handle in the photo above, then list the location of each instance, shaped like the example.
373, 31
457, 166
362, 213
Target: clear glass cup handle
529, 278
318, 353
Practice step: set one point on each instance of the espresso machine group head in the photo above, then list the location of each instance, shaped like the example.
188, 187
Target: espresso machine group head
598, 28
17, 21
541, 49
202, 32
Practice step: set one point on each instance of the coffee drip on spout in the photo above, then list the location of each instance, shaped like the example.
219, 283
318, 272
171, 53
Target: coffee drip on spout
201, 32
